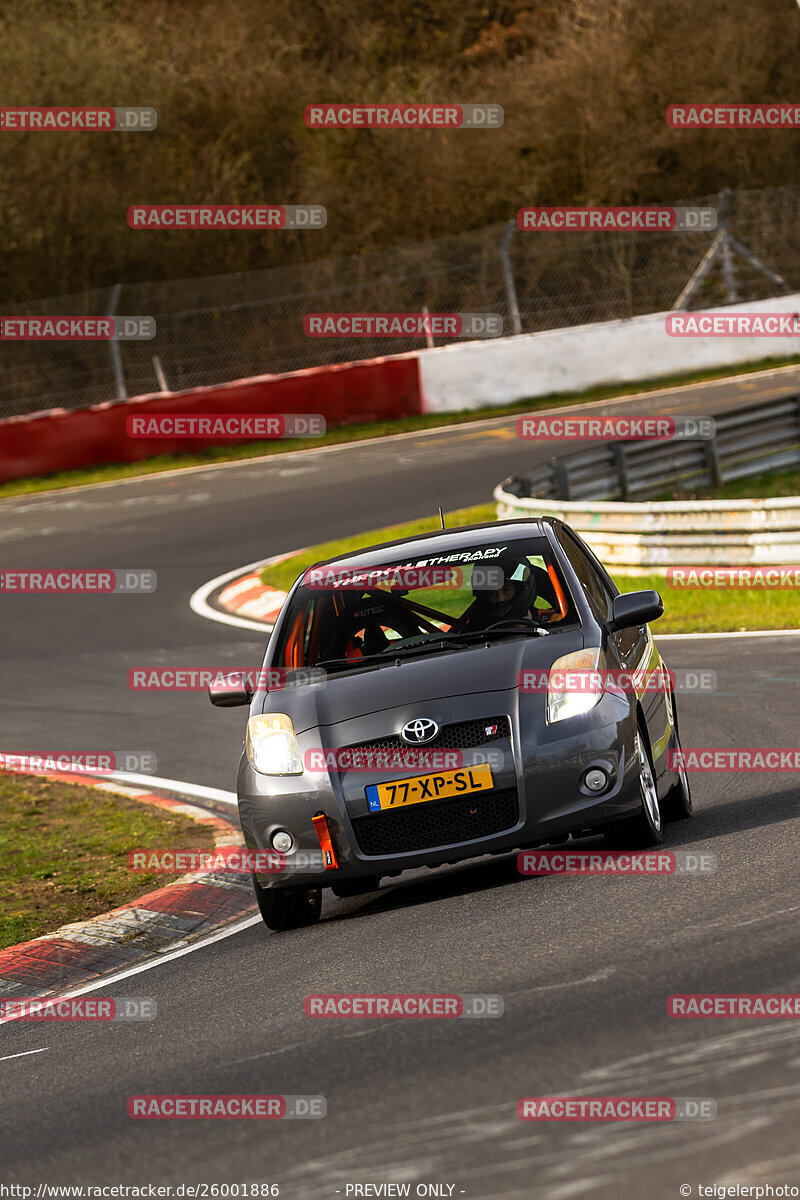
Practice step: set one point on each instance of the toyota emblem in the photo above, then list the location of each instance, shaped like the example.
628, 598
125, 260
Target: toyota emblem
423, 729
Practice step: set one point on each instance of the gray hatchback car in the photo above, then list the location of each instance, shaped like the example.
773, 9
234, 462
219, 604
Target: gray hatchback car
465, 692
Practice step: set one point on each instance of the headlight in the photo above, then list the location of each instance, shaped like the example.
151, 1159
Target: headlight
272, 746
575, 684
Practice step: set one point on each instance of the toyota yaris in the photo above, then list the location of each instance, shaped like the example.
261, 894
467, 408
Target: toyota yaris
465, 692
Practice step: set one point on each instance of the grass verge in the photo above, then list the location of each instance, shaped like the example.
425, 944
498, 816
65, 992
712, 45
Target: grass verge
685, 611
64, 850
356, 433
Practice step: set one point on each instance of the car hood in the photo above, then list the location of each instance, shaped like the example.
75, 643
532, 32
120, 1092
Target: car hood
417, 680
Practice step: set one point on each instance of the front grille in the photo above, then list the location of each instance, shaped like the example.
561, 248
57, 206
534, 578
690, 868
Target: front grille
462, 735
437, 824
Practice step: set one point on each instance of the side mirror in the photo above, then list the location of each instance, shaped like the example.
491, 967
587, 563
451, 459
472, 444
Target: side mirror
229, 691
635, 608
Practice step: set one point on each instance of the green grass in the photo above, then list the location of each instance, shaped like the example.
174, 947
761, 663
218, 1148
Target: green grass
64, 850
685, 611
356, 433
705, 610
282, 575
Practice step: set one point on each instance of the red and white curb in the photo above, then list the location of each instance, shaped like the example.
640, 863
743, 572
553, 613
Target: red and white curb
249, 597
160, 922
240, 598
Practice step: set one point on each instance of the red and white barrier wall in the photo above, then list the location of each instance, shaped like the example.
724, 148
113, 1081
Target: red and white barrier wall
457, 377
504, 370
347, 393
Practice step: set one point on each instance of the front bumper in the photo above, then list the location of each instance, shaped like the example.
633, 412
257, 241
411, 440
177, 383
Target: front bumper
538, 796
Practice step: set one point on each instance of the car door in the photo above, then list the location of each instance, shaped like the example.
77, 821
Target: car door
627, 649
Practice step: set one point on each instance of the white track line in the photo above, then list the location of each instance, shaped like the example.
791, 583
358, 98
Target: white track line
22, 1053
168, 956
199, 599
153, 782
189, 789
745, 633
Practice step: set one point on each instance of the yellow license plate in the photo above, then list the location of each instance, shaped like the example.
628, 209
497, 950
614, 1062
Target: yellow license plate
421, 788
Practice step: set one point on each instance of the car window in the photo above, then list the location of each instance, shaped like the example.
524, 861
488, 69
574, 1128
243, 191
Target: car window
340, 612
598, 594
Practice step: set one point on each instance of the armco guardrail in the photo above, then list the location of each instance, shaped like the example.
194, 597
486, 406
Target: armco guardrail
650, 535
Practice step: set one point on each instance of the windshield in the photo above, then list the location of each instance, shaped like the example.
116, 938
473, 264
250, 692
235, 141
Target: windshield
342, 615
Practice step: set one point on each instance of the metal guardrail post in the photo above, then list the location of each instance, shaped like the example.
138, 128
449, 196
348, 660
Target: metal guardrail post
113, 345
508, 277
560, 478
713, 463
621, 463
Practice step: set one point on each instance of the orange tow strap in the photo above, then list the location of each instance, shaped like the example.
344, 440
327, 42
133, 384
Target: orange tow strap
320, 823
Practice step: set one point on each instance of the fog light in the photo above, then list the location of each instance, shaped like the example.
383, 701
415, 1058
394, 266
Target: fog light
595, 779
282, 841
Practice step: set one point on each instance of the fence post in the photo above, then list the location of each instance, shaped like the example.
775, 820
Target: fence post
713, 462
621, 463
560, 478
113, 345
508, 277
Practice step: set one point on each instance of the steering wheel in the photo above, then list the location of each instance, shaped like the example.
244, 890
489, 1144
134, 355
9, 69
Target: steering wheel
513, 621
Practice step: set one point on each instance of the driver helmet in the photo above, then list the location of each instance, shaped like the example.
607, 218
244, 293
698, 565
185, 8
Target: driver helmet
502, 604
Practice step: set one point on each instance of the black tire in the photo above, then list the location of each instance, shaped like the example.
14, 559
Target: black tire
288, 908
677, 805
647, 827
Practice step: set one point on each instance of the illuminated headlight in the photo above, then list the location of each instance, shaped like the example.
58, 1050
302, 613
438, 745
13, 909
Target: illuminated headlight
575, 684
272, 746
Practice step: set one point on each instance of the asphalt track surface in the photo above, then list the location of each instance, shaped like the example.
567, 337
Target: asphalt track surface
585, 965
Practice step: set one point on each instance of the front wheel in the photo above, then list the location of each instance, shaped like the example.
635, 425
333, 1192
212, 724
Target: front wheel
645, 829
288, 908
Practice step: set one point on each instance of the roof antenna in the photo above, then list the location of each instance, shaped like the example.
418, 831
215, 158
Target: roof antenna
441, 514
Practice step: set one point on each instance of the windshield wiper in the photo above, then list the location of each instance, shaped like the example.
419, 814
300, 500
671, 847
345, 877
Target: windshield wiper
474, 635
391, 656
337, 663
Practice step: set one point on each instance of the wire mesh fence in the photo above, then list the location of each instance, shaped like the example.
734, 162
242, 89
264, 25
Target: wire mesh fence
224, 327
